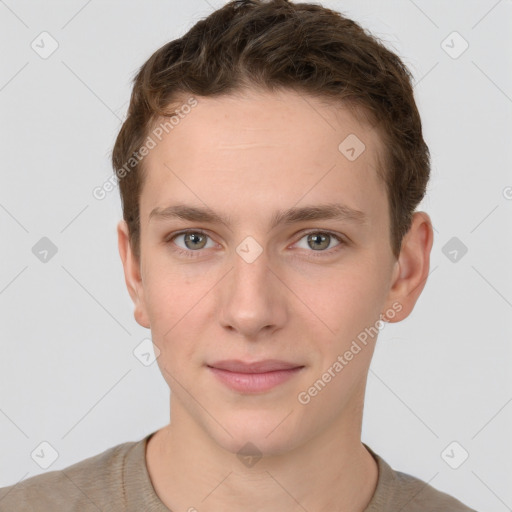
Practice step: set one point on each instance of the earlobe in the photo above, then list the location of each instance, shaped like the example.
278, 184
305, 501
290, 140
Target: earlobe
132, 275
412, 268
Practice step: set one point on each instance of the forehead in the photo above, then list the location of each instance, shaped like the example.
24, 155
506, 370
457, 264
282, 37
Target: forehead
272, 148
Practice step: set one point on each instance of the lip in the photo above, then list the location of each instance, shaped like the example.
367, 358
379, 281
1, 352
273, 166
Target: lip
267, 365
255, 377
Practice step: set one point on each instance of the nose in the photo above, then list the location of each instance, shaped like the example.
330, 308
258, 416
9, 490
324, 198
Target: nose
252, 299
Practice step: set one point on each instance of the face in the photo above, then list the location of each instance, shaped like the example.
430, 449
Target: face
268, 275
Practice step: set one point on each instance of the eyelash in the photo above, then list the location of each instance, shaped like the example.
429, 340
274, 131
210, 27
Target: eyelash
190, 253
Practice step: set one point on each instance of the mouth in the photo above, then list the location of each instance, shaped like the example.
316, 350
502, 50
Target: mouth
255, 377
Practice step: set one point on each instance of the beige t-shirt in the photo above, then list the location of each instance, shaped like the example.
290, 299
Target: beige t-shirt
118, 480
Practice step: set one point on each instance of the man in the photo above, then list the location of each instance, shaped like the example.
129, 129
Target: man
269, 168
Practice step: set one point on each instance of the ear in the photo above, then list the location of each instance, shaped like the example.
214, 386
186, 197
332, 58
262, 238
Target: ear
132, 275
411, 269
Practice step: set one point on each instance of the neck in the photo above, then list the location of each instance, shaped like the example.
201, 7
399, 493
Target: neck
333, 471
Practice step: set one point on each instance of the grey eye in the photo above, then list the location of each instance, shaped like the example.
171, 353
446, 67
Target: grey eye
193, 240
318, 241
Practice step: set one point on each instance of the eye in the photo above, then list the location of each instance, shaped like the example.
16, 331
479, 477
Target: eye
192, 240
320, 241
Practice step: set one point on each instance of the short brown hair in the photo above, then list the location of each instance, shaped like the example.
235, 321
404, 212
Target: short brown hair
277, 44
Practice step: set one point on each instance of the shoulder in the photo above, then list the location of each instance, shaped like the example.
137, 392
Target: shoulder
91, 484
408, 493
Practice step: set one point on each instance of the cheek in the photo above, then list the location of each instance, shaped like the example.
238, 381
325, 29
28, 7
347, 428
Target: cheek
344, 300
174, 303
172, 289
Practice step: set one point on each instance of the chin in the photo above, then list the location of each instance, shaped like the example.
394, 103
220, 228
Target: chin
263, 432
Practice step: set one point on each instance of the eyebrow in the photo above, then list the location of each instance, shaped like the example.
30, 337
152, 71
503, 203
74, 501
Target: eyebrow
289, 216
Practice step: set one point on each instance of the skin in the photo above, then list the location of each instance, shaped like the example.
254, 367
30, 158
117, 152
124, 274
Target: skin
246, 156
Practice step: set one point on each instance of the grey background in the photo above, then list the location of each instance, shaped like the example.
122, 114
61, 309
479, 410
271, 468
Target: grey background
68, 372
